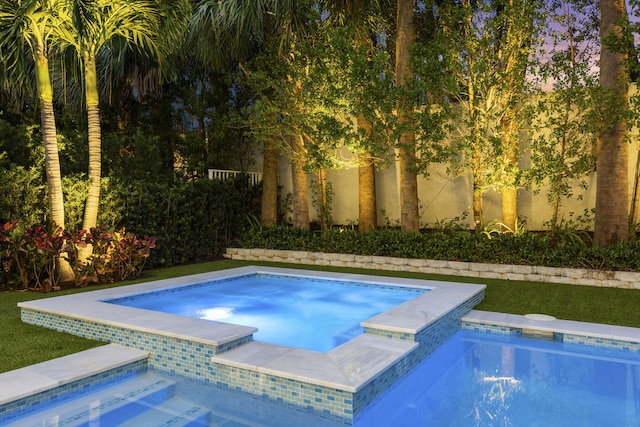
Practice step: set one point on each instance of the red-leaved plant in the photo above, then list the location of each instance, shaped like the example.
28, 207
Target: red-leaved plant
30, 256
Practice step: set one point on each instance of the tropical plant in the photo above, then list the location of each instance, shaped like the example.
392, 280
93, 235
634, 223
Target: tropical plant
488, 51
96, 30
365, 64
27, 30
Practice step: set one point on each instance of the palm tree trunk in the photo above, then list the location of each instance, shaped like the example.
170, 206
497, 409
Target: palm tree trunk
269, 212
299, 181
367, 211
52, 159
93, 196
52, 164
409, 214
612, 198
92, 203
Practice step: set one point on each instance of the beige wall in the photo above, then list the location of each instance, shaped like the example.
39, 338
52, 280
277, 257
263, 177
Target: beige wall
442, 197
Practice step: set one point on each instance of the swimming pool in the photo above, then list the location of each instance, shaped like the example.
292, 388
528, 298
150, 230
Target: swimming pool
478, 379
337, 384
298, 312
484, 379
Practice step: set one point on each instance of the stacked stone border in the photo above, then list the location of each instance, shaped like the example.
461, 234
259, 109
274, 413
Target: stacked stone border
571, 276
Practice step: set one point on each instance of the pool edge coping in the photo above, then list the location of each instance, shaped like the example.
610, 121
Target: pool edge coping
568, 327
91, 306
48, 375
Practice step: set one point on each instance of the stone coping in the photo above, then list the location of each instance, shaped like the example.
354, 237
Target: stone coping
572, 276
91, 306
359, 361
348, 367
33, 379
568, 327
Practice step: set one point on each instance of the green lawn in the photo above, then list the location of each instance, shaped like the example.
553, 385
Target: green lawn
24, 344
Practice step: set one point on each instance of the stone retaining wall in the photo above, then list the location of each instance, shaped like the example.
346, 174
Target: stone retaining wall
572, 276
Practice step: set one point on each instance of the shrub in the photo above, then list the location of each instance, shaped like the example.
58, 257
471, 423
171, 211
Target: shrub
191, 220
30, 256
526, 248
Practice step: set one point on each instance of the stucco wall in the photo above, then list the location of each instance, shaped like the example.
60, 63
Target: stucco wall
443, 197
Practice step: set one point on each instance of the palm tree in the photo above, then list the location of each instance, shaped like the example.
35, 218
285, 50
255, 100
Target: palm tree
406, 152
240, 27
244, 27
27, 27
612, 199
357, 15
107, 29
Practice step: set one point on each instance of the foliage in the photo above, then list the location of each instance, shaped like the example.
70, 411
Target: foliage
191, 220
487, 51
322, 199
558, 248
23, 195
116, 255
30, 255
565, 120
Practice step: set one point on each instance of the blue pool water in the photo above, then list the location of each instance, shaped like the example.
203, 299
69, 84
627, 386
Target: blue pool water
474, 379
313, 314
483, 380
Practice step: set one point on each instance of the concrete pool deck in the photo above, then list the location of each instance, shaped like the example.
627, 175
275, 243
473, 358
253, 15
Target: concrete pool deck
339, 382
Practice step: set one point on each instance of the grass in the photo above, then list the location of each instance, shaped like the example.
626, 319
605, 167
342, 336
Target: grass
24, 344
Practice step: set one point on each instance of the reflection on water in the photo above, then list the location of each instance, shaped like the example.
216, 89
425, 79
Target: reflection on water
494, 398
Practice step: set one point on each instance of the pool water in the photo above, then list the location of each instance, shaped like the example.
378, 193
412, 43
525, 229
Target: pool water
485, 380
474, 379
313, 314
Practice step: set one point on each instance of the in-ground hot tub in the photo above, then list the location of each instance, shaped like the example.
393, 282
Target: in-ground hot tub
338, 383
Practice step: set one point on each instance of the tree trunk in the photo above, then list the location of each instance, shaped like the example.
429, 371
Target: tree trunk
510, 165
367, 211
93, 196
510, 207
323, 200
52, 164
635, 199
612, 199
299, 180
478, 220
52, 160
269, 212
409, 214
92, 204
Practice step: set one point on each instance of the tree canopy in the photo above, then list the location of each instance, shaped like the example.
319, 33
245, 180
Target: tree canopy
513, 96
